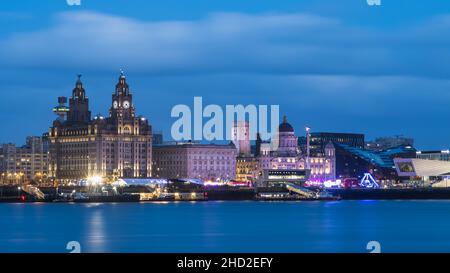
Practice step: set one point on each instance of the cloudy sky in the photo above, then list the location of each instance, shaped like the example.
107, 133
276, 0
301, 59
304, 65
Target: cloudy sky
339, 66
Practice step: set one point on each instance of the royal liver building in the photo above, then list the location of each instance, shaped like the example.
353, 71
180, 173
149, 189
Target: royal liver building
82, 147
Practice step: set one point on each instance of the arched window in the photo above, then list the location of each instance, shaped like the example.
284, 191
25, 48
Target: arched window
127, 130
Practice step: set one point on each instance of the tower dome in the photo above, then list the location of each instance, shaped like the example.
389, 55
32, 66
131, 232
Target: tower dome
287, 140
285, 127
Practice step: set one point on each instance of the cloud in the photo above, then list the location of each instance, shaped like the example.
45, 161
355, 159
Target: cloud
9, 15
232, 43
322, 71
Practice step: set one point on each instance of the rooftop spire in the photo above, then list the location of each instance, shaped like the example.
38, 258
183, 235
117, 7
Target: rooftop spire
122, 77
122, 86
78, 84
78, 92
284, 119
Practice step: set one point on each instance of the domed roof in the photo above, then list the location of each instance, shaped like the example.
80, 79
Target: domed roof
285, 126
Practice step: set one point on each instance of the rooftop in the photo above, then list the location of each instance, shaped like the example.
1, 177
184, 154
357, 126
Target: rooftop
382, 159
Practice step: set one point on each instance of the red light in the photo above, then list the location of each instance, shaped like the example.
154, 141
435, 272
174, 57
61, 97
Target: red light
23, 198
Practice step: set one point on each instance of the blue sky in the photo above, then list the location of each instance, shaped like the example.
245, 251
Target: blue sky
335, 65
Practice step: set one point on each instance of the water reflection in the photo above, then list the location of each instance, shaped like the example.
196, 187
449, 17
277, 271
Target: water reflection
96, 234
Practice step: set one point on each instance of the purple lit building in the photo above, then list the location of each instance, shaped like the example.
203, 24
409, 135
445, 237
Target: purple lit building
289, 157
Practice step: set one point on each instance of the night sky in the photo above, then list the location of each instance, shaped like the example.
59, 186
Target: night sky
339, 66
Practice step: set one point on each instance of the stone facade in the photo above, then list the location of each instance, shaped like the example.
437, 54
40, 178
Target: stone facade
120, 144
240, 134
25, 163
288, 156
209, 162
248, 169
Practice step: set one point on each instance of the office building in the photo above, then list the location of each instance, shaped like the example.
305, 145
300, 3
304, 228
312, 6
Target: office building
208, 162
384, 143
318, 141
117, 145
25, 163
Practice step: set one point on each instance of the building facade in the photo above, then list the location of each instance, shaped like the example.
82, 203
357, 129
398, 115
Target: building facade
353, 162
384, 143
240, 134
431, 167
318, 141
25, 163
443, 155
157, 138
289, 157
429, 171
119, 145
248, 169
208, 162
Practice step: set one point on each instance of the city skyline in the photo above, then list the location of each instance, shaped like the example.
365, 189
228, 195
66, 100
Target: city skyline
213, 135
393, 81
169, 139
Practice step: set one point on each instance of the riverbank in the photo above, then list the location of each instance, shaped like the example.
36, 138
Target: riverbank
13, 194
391, 194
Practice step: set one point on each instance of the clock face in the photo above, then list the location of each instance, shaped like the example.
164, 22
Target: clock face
126, 104
115, 104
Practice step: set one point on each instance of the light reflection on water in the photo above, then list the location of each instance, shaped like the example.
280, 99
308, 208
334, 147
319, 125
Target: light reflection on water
344, 226
96, 232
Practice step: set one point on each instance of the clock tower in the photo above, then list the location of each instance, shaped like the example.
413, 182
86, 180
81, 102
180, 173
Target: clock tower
118, 145
122, 101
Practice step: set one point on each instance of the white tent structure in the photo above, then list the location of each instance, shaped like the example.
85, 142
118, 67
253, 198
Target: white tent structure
124, 182
421, 167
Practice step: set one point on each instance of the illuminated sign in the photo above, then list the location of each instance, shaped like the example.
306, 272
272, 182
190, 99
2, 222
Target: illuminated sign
368, 181
286, 175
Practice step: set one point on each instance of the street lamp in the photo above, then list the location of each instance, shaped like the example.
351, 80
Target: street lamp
18, 192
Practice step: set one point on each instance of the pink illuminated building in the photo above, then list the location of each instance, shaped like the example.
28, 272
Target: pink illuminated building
289, 157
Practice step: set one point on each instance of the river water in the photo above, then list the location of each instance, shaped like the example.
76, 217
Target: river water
248, 226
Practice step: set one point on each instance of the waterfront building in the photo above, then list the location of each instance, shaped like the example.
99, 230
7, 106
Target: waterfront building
428, 171
352, 162
7, 159
384, 143
262, 148
319, 140
157, 138
24, 163
240, 136
442, 155
117, 145
289, 157
353, 157
430, 167
248, 169
208, 162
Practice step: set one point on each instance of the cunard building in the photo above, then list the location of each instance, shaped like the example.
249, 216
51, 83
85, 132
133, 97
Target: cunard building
81, 147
